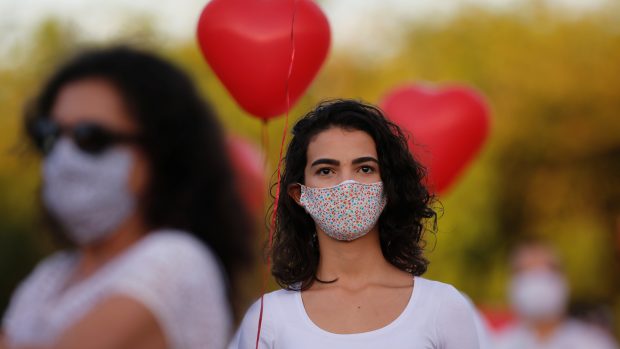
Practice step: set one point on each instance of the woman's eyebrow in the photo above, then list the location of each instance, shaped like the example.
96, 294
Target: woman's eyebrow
364, 159
325, 161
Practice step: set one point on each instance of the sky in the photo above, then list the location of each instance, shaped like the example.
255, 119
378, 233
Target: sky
176, 19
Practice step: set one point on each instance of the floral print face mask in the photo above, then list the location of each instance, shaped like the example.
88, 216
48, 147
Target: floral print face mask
346, 211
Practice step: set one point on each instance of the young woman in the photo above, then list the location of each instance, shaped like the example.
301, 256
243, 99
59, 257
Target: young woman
135, 182
348, 244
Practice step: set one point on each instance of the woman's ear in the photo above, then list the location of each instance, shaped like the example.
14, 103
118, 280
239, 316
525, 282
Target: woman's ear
294, 191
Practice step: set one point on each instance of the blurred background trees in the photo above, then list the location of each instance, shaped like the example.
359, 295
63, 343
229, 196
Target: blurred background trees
550, 168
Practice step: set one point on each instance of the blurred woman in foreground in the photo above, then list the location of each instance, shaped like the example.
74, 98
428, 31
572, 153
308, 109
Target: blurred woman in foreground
136, 185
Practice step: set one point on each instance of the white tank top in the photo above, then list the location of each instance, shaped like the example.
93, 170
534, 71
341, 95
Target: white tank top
170, 272
437, 316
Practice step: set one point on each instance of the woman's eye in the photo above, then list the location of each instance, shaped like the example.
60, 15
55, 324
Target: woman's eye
324, 171
367, 169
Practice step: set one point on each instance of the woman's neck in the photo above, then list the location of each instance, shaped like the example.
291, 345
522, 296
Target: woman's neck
96, 255
545, 329
355, 263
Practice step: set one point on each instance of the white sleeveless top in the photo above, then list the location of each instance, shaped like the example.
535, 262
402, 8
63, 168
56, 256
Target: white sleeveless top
171, 273
572, 334
436, 317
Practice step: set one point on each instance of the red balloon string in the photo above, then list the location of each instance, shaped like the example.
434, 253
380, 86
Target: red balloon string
277, 197
265, 142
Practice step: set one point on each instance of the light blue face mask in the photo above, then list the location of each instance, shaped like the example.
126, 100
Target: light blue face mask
539, 295
89, 195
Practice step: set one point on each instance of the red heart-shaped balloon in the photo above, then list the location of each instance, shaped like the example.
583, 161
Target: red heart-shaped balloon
248, 44
248, 164
447, 125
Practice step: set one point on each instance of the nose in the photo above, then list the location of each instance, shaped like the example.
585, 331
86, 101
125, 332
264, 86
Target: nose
347, 174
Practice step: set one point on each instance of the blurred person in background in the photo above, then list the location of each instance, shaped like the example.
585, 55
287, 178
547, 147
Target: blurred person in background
348, 244
136, 186
539, 294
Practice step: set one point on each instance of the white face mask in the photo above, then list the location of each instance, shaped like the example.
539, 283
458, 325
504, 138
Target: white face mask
346, 211
88, 194
539, 295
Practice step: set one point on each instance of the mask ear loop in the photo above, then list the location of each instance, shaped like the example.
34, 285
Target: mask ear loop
277, 197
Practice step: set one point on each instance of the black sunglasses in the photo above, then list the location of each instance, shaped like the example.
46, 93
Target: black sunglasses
89, 137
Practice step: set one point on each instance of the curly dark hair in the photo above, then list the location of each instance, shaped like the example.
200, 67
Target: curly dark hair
402, 224
192, 183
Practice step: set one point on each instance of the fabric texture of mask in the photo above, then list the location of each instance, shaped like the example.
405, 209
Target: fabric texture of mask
539, 295
346, 211
88, 194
